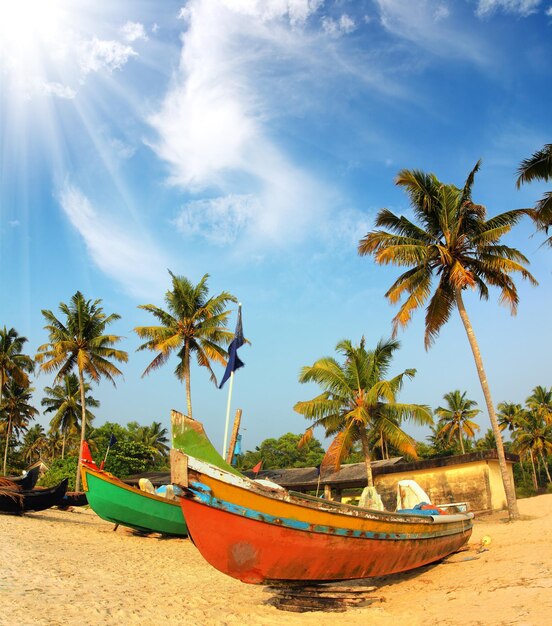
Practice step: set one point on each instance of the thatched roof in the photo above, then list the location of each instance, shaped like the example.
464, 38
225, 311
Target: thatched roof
350, 476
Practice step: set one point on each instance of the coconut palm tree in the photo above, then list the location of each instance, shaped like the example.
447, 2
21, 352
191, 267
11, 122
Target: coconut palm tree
35, 443
64, 400
154, 437
487, 442
534, 439
457, 419
509, 416
79, 342
540, 402
14, 365
16, 412
355, 398
539, 167
193, 323
452, 243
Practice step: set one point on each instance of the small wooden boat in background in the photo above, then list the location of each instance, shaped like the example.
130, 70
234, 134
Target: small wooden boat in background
28, 481
21, 501
119, 503
262, 534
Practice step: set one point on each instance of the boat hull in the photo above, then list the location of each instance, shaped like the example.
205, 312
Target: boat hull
33, 500
261, 534
260, 551
116, 502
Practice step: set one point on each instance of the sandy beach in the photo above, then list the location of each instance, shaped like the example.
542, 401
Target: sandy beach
69, 567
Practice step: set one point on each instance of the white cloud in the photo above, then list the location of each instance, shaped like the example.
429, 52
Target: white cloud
517, 7
129, 258
335, 28
99, 54
133, 31
426, 23
121, 149
61, 91
219, 220
211, 127
549, 11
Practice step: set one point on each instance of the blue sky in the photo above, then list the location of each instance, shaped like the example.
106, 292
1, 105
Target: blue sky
255, 140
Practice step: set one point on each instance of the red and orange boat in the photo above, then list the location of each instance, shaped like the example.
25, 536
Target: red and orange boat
262, 534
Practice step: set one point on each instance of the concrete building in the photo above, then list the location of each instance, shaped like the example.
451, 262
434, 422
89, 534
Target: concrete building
472, 478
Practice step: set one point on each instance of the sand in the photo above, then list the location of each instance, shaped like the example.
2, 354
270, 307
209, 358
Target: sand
69, 567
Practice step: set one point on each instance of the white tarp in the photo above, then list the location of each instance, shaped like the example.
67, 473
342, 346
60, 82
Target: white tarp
409, 494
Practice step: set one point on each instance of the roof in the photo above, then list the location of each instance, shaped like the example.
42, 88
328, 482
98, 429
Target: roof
350, 476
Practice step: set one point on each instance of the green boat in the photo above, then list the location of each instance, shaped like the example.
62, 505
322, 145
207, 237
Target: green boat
119, 503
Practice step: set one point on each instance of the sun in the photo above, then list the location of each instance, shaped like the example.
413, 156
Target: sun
27, 24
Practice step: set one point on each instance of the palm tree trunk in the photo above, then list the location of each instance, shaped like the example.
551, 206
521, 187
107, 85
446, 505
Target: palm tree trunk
8, 435
63, 446
461, 439
188, 385
508, 486
535, 482
367, 460
545, 466
83, 429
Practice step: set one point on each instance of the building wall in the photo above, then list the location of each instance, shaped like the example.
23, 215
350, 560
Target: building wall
478, 483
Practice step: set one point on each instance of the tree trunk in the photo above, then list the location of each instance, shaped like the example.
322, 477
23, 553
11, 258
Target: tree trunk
508, 486
83, 430
188, 385
461, 439
535, 481
545, 466
63, 446
367, 459
8, 435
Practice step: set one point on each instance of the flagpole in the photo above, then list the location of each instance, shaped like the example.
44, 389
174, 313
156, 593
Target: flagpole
227, 415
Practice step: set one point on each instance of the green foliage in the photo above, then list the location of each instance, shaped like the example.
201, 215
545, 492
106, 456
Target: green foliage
357, 404
192, 324
128, 457
283, 452
60, 469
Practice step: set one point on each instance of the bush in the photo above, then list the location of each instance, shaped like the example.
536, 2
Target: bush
524, 491
60, 469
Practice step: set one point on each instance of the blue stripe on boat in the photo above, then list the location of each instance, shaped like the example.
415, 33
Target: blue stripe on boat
204, 494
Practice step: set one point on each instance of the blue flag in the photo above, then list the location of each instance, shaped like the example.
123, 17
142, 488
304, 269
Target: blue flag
234, 361
112, 441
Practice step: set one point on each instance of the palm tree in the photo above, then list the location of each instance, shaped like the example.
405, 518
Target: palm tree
540, 401
154, 437
192, 324
456, 420
454, 243
79, 342
539, 167
15, 412
13, 364
509, 416
356, 398
64, 400
35, 443
487, 442
534, 438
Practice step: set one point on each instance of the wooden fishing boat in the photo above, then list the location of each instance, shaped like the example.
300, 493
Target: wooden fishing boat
117, 502
262, 534
20, 501
28, 481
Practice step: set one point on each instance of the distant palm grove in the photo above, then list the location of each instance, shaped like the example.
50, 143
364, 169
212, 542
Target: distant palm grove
449, 246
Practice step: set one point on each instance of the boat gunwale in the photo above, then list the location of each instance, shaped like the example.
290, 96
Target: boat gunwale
198, 494
116, 482
347, 510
